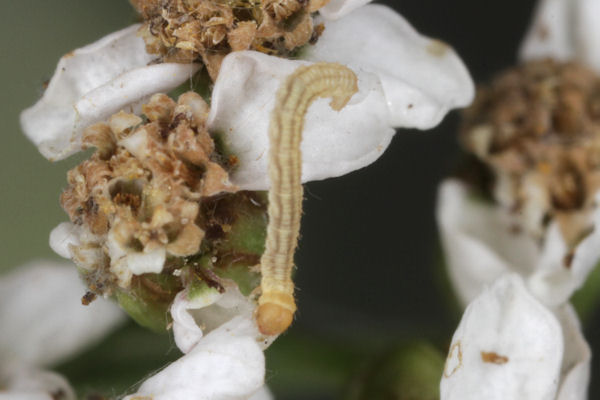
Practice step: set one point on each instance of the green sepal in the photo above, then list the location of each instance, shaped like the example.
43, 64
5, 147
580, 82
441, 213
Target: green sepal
249, 232
246, 279
148, 300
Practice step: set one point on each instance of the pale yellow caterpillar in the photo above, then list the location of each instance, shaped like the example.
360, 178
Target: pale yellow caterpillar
276, 305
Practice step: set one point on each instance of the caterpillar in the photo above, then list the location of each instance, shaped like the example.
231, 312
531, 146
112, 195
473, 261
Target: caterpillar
276, 304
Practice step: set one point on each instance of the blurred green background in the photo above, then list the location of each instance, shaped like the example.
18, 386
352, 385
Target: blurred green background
369, 276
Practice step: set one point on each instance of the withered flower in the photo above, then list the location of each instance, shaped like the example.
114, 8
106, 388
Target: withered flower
206, 31
138, 195
520, 222
533, 139
537, 128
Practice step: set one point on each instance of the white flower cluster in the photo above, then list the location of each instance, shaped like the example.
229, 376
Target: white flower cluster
43, 323
520, 338
518, 305
404, 79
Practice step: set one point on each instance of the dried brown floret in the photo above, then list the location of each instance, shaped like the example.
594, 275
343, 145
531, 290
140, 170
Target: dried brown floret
241, 37
537, 128
207, 30
138, 195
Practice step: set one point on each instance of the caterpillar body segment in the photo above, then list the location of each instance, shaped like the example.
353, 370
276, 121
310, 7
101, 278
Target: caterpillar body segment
276, 305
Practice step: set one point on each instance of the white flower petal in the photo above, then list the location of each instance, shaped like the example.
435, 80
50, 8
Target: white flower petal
554, 280
92, 83
334, 143
551, 31
337, 9
564, 30
19, 382
575, 374
126, 262
587, 32
43, 320
63, 237
507, 346
226, 364
186, 331
208, 310
478, 242
422, 78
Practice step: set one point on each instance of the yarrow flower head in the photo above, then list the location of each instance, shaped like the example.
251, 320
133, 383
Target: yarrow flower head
519, 225
166, 216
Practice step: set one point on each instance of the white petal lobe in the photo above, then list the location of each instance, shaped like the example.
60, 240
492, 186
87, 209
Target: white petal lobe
195, 315
92, 83
63, 236
575, 371
564, 30
334, 143
479, 242
554, 281
422, 78
226, 364
43, 320
551, 32
20, 382
507, 346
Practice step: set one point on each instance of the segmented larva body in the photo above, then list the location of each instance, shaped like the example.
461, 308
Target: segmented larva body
276, 305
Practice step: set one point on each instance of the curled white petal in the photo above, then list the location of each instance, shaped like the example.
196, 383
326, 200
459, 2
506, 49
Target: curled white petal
185, 329
125, 262
422, 78
194, 317
555, 280
478, 241
20, 382
43, 320
507, 346
92, 83
480, 245
564, 30
63, 237
575, 371
337, 9
226, 364
334, 143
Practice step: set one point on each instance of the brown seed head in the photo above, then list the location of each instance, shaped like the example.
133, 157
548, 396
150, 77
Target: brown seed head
538, 126
192, 31
141, 190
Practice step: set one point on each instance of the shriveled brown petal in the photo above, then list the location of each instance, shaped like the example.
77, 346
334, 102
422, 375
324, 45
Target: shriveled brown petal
241, 37
216, 180
122, 123
187, 242
159, 108
101, 137
300, 35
